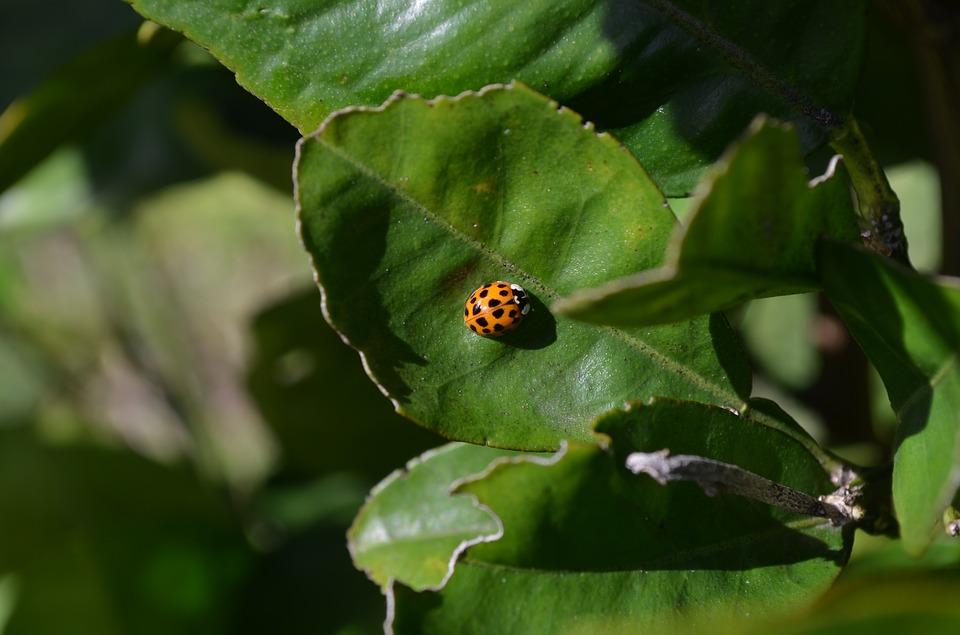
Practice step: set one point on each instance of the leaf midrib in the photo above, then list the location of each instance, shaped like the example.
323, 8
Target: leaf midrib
724, 397
730, 398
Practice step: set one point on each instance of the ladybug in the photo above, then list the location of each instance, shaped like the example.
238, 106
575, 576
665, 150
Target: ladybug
495, 308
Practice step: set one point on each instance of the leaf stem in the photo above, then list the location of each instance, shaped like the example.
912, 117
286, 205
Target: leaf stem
715, 476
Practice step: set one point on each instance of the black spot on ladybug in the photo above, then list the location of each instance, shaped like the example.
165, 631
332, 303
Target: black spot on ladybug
466, 311
473, 328
504, 293
493, 303
498, 327
486, 330
482, 321
501, 286
473, 299
498, 313
483, 293
513, 313
476, 309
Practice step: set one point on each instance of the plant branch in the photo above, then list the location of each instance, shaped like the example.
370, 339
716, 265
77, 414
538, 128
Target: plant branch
715, 476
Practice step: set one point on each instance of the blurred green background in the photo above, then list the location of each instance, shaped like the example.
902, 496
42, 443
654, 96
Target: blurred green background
183, 440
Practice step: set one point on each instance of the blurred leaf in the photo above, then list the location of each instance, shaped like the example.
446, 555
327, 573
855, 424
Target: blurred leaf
209, 136
917, 604
330, 499
185, 279
143, 321
308, 586
8, 599
878, 556
676, 94
585, 542
322, 408
909, 326
412, 529
115, 543
22, 20
406, 210
76, 98
23, 381
752, 234
917, 186
777, 332
57, 190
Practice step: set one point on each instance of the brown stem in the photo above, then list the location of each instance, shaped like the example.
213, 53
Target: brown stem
715, 476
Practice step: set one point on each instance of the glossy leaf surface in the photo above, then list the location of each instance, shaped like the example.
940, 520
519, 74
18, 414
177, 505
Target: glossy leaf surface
752, 234
675, 94
909, 326
585, 542
407, 209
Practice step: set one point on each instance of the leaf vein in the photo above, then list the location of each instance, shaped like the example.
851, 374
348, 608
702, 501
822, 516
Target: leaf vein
696, 379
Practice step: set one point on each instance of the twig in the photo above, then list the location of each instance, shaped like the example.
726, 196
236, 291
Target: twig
715, 476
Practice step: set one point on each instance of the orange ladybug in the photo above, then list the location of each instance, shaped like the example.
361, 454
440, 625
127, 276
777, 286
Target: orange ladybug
495, 308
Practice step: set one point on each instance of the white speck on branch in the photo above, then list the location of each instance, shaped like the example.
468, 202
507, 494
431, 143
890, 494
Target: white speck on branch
715, 476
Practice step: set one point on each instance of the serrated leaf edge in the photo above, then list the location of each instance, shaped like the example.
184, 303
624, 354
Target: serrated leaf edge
670, 269
494, 465
663, 359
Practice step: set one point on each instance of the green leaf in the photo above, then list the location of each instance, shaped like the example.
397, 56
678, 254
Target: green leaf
676, 94
55, 191
909, 326
411, 528
917, 185
752, 234
78, 97
779, 333
408, 208
586, 543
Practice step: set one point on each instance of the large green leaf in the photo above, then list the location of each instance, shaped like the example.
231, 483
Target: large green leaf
676, 90
407, 209
909, 326
752, 234
412, 529
586, 543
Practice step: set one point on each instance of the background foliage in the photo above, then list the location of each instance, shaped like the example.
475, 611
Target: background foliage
185, 441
